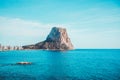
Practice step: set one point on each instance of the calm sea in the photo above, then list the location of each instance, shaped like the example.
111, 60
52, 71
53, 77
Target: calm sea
79, 64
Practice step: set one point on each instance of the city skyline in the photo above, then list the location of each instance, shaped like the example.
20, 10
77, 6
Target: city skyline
89, 23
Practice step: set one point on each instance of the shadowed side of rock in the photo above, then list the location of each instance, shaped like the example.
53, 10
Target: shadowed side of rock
56, 40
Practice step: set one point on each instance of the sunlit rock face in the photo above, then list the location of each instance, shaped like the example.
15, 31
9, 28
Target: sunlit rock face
56, 40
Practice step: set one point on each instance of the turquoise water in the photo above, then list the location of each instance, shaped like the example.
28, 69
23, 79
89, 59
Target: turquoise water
80, 64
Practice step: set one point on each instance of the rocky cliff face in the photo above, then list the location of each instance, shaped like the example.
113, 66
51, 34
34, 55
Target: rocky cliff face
56, 40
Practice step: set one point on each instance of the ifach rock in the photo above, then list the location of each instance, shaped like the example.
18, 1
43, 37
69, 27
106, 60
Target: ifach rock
56, 40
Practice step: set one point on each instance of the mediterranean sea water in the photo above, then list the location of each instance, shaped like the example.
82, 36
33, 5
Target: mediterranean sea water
79, 64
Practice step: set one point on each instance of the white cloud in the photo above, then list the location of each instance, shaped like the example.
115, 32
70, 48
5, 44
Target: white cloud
21, 27
16, 26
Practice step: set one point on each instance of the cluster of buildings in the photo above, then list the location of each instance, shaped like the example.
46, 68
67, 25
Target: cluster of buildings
4, 48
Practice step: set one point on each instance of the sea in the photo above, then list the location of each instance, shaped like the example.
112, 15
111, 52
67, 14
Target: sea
78, 64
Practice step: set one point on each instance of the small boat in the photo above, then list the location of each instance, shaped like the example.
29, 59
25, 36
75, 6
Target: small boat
23, 63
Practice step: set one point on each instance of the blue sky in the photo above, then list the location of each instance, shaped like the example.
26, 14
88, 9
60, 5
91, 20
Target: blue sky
90, 23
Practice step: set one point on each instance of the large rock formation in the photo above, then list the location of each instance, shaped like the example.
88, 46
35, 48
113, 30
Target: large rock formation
56, 40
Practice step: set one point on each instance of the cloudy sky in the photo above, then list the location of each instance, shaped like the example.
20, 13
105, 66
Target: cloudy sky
90, 23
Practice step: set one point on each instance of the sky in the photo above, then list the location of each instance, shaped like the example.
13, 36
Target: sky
89, 23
